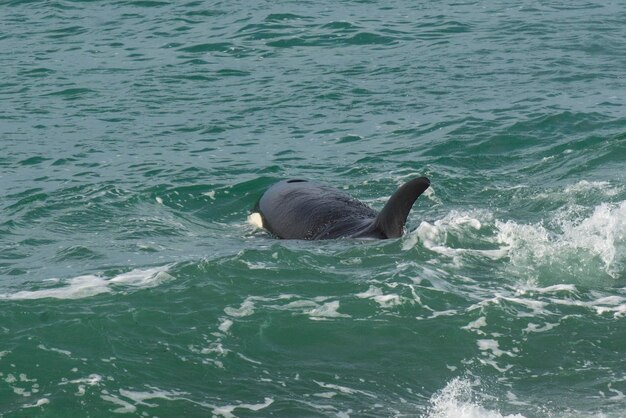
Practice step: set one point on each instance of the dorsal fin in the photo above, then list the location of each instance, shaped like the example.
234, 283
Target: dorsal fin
392, 218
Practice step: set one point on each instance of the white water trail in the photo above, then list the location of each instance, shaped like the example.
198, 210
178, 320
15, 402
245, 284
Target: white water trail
91, 285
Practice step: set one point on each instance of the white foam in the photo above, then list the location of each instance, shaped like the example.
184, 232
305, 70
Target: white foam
585, 186
125, 407
227, 410
538, 302
210, 195
140, 398
40, 402
578, 190
493, 346
75, 288
246, 309
456, 400
464, 226
91, 285
56, 350
215, 348
257, 266
532, 327
572, 245
325, 311
549, 289
21, 391
91, 380
376, 294
597, 241
299, 304
537, 307
143, 278
24, 378
319, 308
327, 395
475, 326
344, 389
619, 395
248, 359
225, 324
615, 305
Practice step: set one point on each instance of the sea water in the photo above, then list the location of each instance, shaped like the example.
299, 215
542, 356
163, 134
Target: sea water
136, 136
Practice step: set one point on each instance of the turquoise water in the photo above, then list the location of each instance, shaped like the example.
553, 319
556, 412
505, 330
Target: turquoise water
135, 137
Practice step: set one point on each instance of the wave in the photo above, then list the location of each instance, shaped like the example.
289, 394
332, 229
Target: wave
574, 245
91, 285
466, 398
579, 248
458, 400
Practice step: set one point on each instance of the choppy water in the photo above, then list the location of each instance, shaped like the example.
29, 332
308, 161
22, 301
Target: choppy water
135, 136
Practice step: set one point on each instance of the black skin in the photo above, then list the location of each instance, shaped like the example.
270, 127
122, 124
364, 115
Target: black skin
299, 209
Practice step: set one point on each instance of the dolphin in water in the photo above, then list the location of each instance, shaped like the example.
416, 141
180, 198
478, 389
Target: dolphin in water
299, 209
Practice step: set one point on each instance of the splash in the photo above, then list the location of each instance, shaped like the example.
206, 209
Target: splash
577, 245
579, 249
458, 234
458, 400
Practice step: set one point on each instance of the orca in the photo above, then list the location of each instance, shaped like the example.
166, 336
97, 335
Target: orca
300, 209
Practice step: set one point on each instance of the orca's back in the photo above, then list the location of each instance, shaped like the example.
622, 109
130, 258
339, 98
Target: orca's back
298, 209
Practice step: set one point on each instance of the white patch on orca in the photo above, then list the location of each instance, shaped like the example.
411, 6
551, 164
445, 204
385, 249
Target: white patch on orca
255, 220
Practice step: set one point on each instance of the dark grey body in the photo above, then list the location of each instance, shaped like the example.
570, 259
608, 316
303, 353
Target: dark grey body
299, 209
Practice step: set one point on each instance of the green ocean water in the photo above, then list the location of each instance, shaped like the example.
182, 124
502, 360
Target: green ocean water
136, 136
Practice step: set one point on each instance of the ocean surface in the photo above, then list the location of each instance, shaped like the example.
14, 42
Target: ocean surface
136, 137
